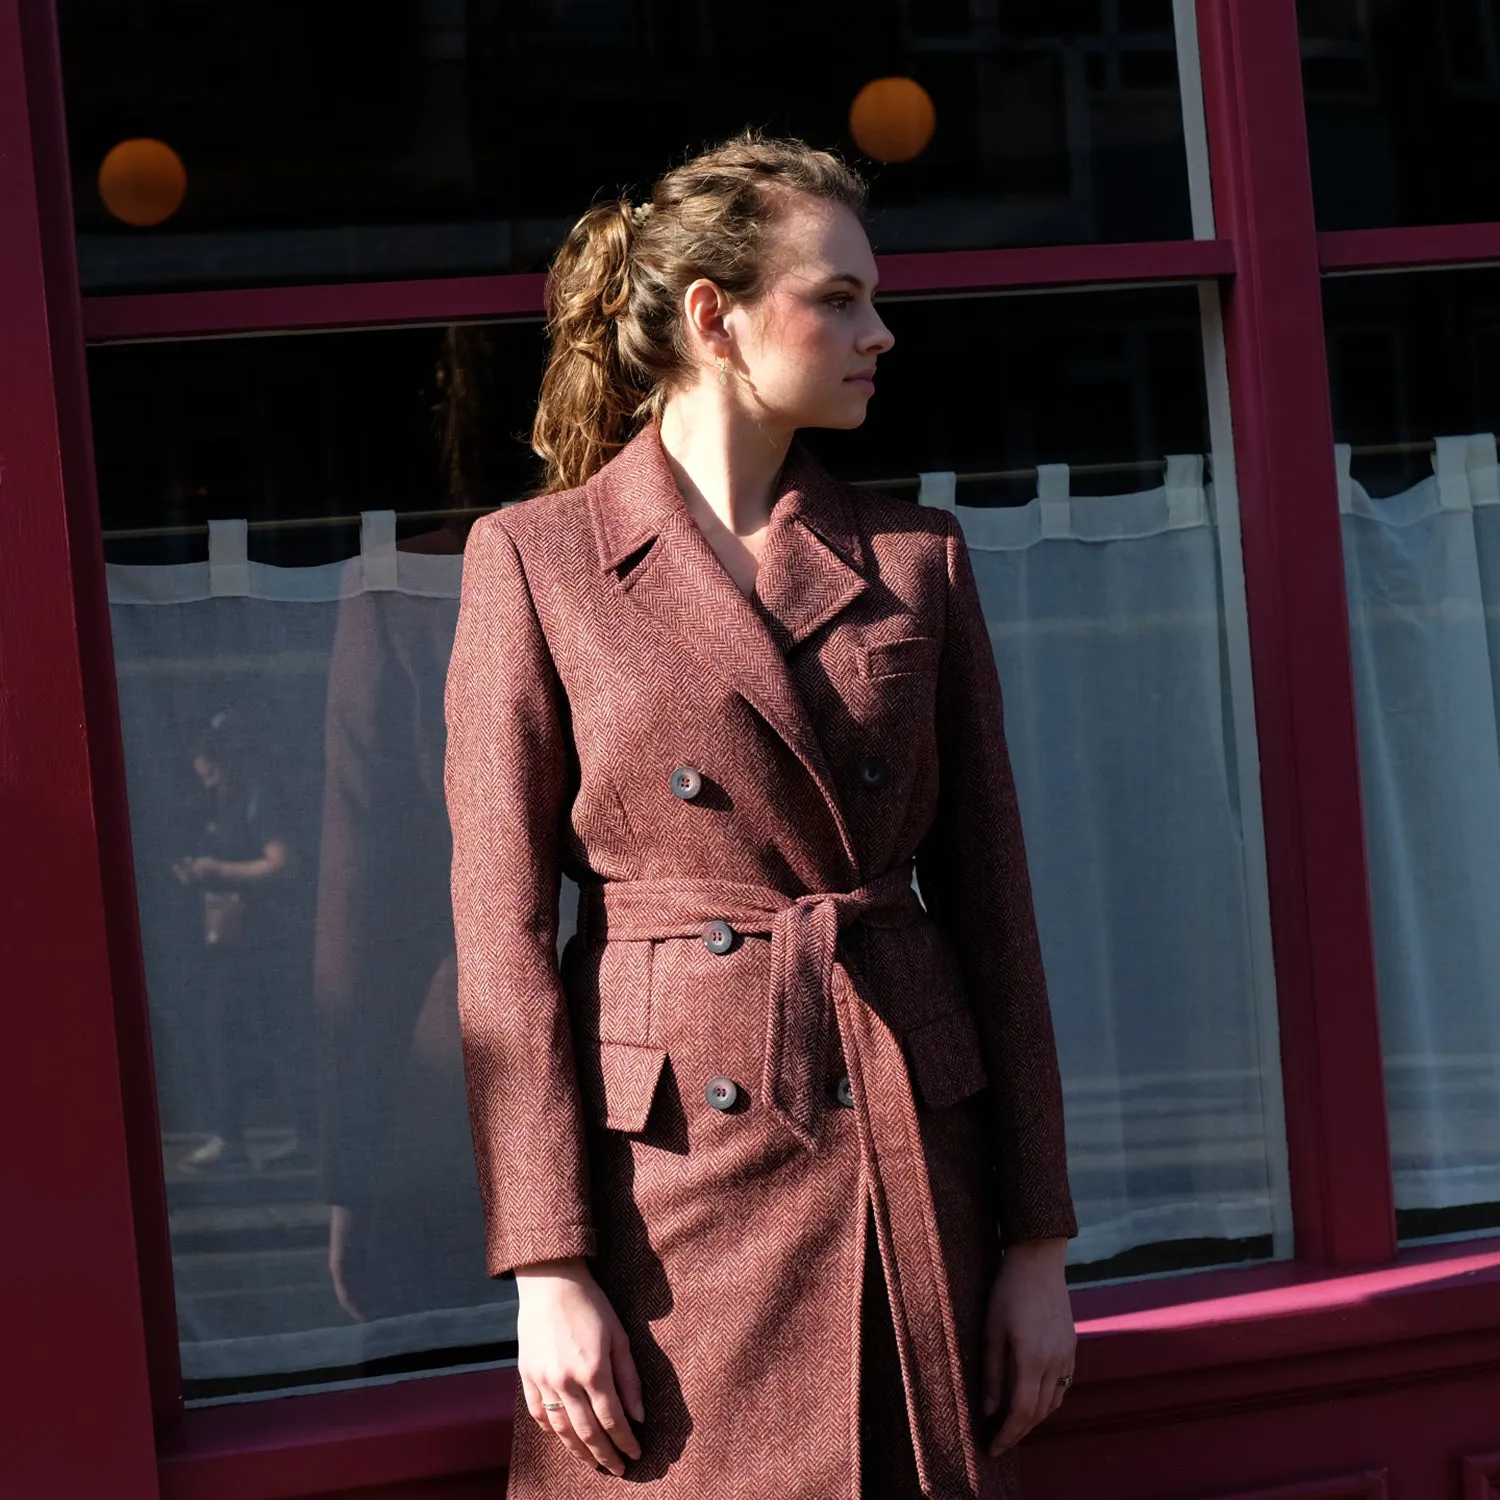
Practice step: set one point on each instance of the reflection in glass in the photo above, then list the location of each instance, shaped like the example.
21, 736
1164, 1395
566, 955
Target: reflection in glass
409, 138
335, 1234
1416, 409
1399, 95
283, 725
237, 854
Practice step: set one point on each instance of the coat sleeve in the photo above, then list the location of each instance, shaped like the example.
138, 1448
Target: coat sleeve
972, 871
505, 776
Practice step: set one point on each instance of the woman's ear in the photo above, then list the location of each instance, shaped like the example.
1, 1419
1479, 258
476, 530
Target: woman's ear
704, 307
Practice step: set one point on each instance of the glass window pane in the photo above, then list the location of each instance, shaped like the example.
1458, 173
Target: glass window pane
281, 698
1398, 94
1416, 406
281, 705
1115, 621
223, 145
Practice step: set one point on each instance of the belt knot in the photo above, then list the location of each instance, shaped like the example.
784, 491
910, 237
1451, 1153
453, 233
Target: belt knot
804, 969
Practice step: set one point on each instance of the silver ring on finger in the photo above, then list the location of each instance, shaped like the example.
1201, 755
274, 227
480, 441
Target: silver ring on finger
1064, 1381
552, 1406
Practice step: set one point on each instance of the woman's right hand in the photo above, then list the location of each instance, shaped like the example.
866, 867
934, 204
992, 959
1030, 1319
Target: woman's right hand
572, 1348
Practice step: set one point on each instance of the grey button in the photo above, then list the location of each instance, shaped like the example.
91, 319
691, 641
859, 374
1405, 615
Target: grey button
845, 1091
722, 1092
718, 936
874, 771
686, 782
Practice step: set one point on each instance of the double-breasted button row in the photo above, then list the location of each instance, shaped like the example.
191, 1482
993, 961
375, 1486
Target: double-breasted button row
722, 1093
718, 936
686, 782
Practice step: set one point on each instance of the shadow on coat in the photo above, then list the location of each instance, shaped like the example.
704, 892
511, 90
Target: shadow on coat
647, 1296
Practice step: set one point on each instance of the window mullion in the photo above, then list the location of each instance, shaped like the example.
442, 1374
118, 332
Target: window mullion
1299, 628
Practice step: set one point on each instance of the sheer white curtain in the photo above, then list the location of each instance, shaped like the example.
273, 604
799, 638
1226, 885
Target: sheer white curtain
1423, 576
1129, 727
317, 1040
324, 1036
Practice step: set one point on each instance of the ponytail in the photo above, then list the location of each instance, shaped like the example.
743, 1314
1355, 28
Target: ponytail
590, 397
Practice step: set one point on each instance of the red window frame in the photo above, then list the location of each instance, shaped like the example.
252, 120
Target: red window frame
92, 1339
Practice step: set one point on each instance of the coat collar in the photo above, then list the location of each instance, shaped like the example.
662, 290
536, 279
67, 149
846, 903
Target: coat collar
812, 567
814, 557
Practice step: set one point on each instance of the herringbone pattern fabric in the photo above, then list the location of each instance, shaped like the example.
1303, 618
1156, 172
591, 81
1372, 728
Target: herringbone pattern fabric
600, 646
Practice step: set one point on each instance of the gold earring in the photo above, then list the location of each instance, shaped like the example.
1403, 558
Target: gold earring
723, 371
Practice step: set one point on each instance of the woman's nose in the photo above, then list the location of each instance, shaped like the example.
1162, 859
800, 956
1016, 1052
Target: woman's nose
880, 339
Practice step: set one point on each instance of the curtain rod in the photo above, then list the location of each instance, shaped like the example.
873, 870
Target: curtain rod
990, 476
911, 481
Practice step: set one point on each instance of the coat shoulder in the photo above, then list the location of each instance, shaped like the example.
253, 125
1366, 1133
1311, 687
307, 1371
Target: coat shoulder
548, 531
883, 515
904, 536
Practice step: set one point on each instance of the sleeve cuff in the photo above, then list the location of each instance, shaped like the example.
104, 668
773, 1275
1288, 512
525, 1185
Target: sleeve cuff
1059, 1223
526, 1244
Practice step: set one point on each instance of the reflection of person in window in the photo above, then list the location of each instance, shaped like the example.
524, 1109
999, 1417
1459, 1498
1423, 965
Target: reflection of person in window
397, 1171
240, 847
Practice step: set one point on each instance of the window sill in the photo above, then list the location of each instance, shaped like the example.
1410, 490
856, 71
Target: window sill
1170, 1347
1196, 1344
384, 1435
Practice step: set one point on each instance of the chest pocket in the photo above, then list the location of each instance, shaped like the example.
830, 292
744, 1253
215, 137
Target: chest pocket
906, 656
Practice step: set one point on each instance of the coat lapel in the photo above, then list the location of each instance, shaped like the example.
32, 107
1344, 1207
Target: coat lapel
810, 570
812, 566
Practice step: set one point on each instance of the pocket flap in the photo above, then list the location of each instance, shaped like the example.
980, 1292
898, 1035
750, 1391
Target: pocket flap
619, 1079
945, 1058
911, 653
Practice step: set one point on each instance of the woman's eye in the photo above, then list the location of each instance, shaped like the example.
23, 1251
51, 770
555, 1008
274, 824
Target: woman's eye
840, 302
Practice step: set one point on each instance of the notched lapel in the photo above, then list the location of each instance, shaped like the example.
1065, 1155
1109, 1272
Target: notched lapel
681, 584
813, 563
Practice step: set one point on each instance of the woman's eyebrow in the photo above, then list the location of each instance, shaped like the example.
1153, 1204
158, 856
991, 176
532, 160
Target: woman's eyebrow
853, 280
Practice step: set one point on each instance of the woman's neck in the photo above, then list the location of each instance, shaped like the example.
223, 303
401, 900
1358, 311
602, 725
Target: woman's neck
724, 463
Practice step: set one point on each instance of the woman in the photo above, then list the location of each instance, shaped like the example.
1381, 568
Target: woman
755, 1151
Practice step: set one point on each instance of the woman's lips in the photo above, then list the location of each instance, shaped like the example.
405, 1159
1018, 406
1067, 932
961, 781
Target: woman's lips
864, 382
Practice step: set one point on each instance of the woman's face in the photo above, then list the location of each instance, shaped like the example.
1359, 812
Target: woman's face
805, 352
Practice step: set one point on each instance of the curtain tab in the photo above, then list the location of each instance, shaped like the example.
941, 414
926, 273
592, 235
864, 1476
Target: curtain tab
377, 549
1450, 462
1187, 505
228, 559
1484, 472
1053, 483
1343, 457
939, 489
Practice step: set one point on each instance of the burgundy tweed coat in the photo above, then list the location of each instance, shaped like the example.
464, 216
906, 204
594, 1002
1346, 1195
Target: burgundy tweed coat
759, 1042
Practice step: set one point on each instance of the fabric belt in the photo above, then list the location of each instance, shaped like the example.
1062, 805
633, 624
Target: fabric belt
809, 980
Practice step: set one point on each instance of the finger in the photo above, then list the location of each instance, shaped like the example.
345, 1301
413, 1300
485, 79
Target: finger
628, 1380
561, 1423
586, 1429
346, 1301
1025, 1403
610, 1413
1058, 1391
340, 1290
533, 1398
994, 1369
